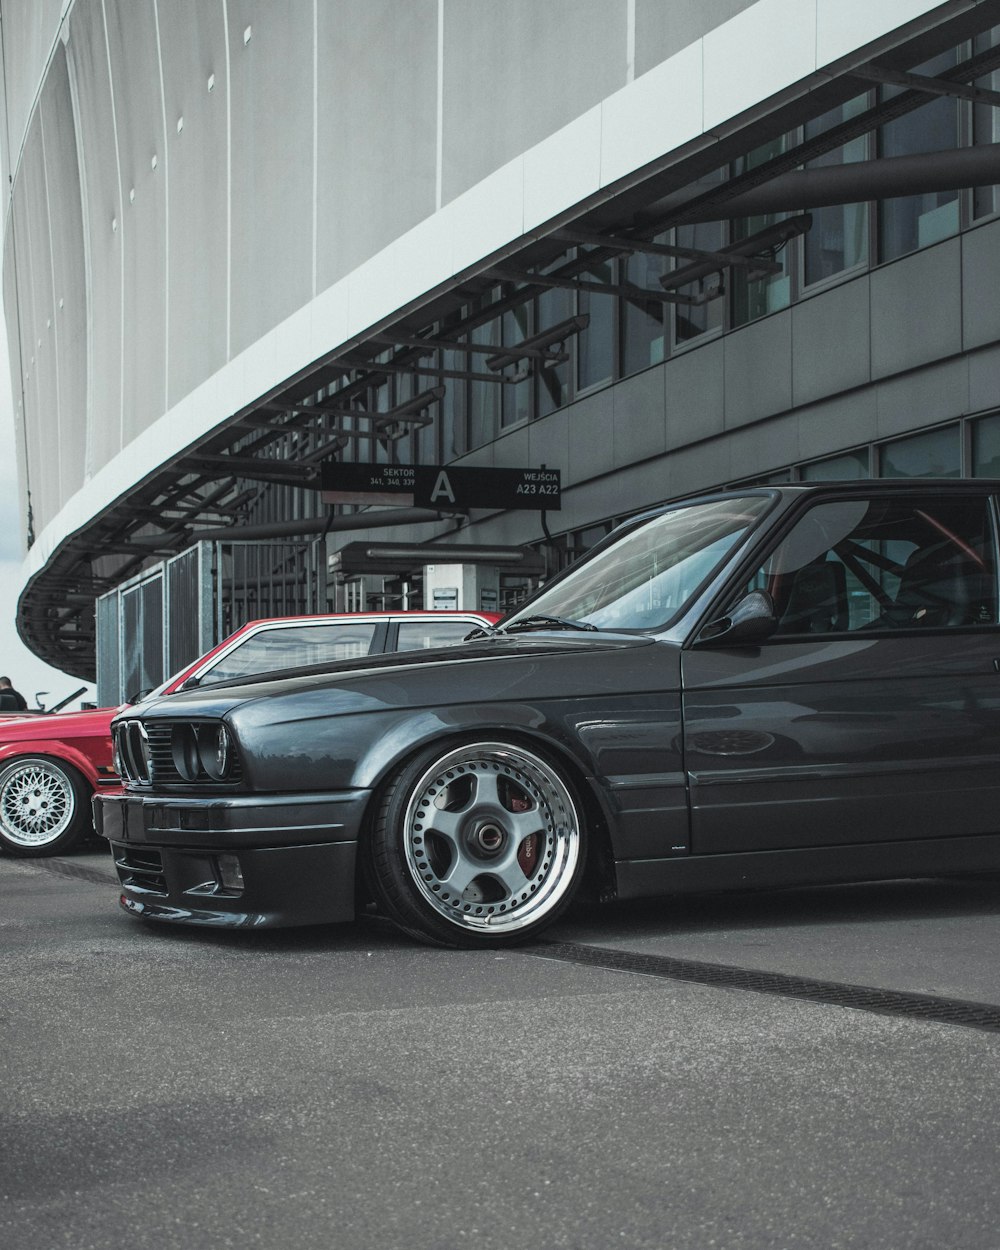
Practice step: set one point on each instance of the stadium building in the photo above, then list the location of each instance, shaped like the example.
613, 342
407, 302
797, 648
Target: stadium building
289, 284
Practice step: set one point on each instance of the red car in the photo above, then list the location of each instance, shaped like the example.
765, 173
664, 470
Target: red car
51, 765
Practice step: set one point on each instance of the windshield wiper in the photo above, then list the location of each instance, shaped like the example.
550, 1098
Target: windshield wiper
481, 631
547, 622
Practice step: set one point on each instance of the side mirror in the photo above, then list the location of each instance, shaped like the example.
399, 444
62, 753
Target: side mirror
190, 683
751, 620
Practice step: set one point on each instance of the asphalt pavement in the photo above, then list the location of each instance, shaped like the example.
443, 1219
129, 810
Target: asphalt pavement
343, 1087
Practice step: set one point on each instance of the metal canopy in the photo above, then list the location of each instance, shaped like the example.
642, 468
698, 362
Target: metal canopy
218, 486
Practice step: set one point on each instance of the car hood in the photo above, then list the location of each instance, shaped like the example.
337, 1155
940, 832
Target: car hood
93, 723
361, 684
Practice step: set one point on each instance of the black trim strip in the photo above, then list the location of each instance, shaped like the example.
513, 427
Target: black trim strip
969, 1015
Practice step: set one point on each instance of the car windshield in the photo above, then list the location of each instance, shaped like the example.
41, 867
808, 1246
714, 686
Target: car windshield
646, 579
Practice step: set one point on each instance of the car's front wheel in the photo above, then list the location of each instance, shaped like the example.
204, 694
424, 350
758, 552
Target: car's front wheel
44, 806
481, 844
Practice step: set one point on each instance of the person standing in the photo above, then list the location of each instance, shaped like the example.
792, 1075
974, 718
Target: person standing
11, 700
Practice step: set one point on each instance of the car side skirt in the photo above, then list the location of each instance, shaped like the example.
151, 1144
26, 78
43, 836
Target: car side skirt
825, 865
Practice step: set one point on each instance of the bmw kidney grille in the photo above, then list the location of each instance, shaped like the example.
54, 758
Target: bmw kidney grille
173, 752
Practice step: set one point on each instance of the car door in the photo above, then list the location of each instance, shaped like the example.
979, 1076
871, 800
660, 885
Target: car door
873, 712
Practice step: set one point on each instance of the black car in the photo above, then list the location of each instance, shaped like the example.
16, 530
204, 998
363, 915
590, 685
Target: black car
759, 687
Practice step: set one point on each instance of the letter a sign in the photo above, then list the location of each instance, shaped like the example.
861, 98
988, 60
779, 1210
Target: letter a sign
442, 489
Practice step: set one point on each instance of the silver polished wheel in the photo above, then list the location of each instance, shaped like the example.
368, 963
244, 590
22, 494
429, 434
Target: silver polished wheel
491, 838
39, 806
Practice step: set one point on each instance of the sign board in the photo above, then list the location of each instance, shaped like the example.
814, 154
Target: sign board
440, 486
445, 598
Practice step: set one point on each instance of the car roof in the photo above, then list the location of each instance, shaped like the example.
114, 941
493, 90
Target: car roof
793, 490
381, 614
850, 485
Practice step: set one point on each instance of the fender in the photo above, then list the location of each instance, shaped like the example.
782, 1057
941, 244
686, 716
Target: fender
624, 747
383, 756
52, 748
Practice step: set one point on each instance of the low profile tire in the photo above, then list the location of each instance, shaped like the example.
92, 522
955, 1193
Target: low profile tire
44, 806
481, 844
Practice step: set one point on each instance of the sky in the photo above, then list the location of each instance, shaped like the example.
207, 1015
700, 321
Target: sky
27, 672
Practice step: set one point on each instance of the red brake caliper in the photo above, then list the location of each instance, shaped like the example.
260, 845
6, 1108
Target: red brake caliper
527, 852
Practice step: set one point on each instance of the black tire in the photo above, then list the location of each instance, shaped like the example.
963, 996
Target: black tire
477, 844
44, 806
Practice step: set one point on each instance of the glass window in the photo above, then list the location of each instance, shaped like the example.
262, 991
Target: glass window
454, 431
986, 447
515, 396
852, 464
986, 126
380, 400
755, 297
701, 305
420, 635
644, 320
292, 646
425, 439
838, 237
914, 221
484, 397
648, 576
883, 563
937, 453
595, 345
553, 306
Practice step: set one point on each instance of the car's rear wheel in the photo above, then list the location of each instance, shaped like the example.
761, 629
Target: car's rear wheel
44, 806
481, 844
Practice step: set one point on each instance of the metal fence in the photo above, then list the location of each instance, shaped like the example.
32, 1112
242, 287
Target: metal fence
162, 620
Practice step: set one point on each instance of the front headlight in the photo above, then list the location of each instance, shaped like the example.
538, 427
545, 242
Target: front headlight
215, 750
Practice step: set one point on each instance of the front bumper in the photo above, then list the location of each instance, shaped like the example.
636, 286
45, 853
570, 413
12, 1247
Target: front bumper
175, 856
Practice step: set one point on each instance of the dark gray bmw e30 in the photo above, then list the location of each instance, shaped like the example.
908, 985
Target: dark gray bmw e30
760, 687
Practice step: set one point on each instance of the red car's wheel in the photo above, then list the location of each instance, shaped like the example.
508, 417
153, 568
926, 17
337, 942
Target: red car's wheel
44, 806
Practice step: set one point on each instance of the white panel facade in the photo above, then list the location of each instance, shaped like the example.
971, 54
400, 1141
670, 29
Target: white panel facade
193, 164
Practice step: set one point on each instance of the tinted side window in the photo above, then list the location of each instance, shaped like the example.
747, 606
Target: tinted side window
884, 564
417, 635
290, 646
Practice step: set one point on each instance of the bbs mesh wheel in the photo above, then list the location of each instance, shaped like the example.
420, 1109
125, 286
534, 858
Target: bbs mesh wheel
44, 806
479, 845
